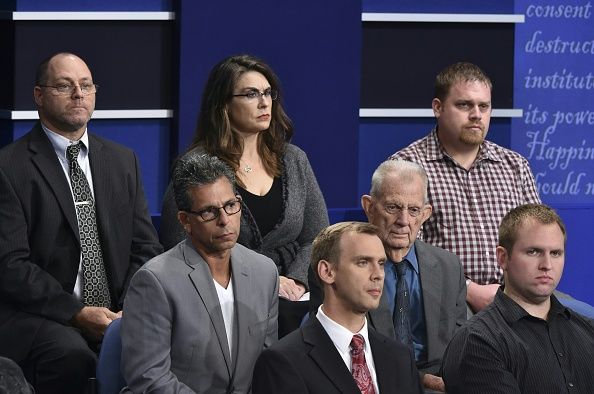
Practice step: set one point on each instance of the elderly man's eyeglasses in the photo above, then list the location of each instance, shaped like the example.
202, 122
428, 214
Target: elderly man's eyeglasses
254, 94
393, 209
212, 213
66, 89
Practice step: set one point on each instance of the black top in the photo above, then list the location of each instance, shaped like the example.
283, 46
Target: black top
266, 209
503, 349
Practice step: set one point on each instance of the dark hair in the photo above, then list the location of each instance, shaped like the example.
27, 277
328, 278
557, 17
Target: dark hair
195, 169
458, 72
41, 72
326, 244
513, 220
214, 133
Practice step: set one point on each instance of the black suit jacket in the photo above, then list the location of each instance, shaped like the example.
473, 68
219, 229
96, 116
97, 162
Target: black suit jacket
444, 300
306, 361
39, 238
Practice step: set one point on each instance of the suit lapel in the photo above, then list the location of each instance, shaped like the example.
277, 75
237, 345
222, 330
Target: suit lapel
45, 159
100, 171
241, 291
325, 355
430, 275
383, 368
203, 283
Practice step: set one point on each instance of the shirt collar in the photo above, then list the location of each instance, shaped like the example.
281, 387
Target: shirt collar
435, 150
512, 312
60, 143
411, 256
341, 336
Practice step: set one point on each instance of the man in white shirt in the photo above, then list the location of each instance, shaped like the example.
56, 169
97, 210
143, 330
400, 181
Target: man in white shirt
336, 351
197, 316
74, 228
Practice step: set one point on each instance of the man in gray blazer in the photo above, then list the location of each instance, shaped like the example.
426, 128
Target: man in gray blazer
197, 317
435, 284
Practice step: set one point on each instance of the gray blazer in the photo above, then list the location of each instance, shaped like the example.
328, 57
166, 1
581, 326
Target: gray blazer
173, 334
288, 244
444, 298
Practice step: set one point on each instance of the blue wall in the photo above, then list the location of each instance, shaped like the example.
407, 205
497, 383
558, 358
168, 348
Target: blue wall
315, 48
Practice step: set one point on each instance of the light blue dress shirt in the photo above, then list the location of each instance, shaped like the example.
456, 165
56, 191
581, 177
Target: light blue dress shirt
417, 310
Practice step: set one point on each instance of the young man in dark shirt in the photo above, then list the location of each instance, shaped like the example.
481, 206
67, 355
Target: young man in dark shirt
525, 341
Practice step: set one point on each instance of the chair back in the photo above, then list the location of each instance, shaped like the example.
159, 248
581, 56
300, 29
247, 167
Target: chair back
109, 376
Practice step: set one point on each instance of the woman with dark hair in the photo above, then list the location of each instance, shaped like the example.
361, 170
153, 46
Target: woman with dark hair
242, 121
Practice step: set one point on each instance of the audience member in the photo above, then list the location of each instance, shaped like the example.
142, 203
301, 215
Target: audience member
242, 121
473, 182
74, 228
197, 316
431, 291
525, 341
335, 351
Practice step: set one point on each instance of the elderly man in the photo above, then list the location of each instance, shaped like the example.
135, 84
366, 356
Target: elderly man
335, 351
74, 228
424, 290
197, 317
525, 341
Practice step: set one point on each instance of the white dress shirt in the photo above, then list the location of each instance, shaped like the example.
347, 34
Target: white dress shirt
227, 301
342, 337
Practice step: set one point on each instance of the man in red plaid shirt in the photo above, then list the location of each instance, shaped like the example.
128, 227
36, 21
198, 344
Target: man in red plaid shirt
473, 182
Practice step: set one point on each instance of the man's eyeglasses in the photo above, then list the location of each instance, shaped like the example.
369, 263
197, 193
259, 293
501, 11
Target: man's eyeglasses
66, 89
256, 94
212, 213
393, 209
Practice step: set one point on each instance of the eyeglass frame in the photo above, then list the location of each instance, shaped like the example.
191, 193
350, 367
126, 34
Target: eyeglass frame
72, 89
399, 208
270, 92
217, 210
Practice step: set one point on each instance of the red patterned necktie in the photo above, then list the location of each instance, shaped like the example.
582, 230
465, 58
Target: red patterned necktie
359, 366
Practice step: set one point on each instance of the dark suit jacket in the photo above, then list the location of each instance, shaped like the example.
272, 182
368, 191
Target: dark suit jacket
306, 361
39, 238
444, 299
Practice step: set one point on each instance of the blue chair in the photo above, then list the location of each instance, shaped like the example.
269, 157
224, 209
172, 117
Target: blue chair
109, 376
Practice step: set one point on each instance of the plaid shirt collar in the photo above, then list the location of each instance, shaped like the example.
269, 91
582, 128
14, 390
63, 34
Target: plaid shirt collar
435, 150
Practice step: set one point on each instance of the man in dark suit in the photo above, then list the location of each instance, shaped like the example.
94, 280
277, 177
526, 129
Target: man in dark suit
74, 228
434, 280
335, 351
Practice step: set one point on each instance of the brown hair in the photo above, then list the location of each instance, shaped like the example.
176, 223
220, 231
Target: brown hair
458, 72
513, 220
326, 244
214, 133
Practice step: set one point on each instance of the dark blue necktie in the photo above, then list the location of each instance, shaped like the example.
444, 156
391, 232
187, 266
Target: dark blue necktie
401, 314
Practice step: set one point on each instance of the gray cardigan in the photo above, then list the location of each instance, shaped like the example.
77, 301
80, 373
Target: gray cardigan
288, 244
